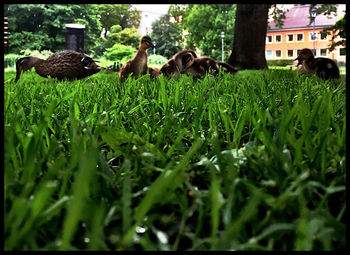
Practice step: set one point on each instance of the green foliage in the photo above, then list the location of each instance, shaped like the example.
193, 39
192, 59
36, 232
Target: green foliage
127, 36
254, 161
117, 14
205, 23
167, 36
119, 52
156, 59
10, 60
178, 11
279, 62
42, 26
338, 31
116, 29
30, 40
34, 53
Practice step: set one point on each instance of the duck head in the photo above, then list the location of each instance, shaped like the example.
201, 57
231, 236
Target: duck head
89, 64
146, 42
304, 54
187, 60
24, 64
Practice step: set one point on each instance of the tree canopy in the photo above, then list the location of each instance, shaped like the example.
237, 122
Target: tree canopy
41, 26
117, 14
167, 36
204, 24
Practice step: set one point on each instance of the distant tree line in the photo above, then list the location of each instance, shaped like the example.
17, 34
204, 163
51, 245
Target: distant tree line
42, 26
110, 27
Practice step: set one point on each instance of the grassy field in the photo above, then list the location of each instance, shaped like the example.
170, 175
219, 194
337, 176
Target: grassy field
254, 161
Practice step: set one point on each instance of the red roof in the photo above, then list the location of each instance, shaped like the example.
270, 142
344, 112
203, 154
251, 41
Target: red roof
299, 17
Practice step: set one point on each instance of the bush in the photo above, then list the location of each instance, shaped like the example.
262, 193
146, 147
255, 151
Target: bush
156, 59
280, 62
10, 60
119, 52
29, 40
35, 53
127, 36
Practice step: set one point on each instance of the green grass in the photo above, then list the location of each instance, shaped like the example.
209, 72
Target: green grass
254, 161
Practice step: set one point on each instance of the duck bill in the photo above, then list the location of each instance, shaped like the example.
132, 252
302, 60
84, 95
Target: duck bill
183, 69
18, 74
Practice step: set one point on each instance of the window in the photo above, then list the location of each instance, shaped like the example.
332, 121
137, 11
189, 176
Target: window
323, 36
269, 39
323, 52
290, 53
290, 37
312, 36
298, 51
314, 51
278, 54
269, 54
300, 37
342, 52
278, 38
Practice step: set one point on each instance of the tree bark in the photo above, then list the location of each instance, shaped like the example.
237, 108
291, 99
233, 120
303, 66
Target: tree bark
248, 51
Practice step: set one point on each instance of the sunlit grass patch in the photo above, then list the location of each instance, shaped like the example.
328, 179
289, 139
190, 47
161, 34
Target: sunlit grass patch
254, 161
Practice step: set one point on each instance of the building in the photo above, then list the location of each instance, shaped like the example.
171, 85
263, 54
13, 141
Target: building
149, 13
147, 18
297, 33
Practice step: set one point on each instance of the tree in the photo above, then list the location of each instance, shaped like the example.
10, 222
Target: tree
204, 24
117, 14
339, 29
127, 36
248, 51
178, 12
42, 26
167, 36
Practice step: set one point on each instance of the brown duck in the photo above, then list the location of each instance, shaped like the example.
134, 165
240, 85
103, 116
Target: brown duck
62, 65
138, 64
174, 65
153, 72
324, 68
199, 67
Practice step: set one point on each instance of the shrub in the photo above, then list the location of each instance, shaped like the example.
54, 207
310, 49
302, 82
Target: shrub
10, 60
127, 36
35, 53
280, 62
119, 52
156, 59
29, 40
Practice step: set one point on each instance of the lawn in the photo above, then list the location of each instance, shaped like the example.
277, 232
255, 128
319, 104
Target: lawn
254, 161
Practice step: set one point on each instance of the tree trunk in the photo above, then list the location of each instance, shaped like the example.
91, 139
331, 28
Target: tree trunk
248, 51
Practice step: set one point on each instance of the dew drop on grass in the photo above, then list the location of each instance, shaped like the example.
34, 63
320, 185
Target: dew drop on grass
140, 230
162, 237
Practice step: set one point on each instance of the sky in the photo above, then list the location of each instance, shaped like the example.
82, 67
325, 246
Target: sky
157, 8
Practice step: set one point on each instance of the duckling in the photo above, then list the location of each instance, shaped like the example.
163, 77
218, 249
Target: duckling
138, 64
61, 65
153, 72
199, 67
174, 64
325, 68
